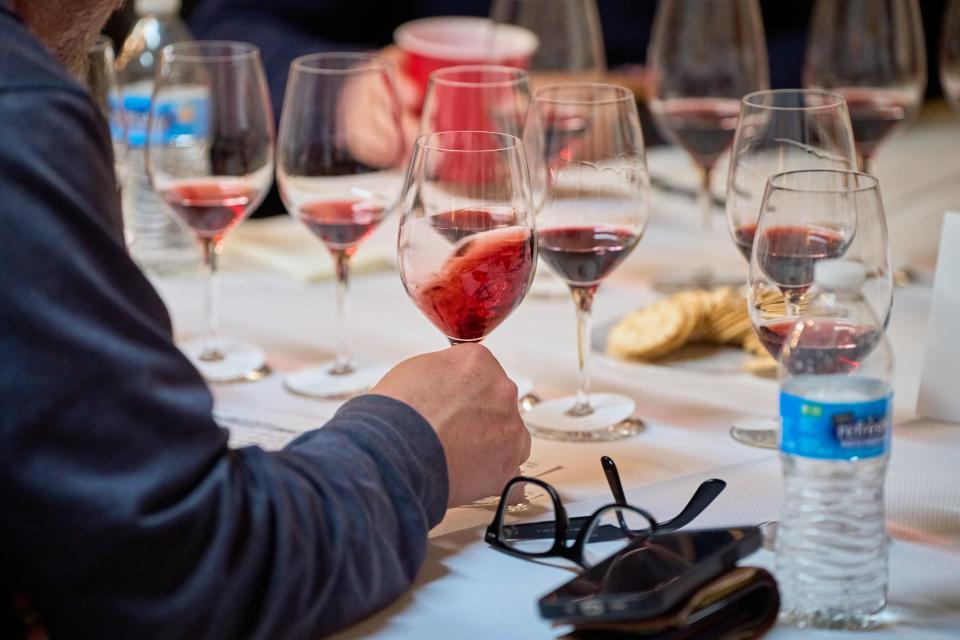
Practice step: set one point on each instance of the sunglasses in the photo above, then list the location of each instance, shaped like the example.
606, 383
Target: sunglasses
616, 522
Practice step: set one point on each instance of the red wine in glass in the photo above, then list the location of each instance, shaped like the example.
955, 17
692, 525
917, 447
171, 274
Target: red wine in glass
788, 254
210, 208
705, 127
481, 282
830, 345
585, 255
341, 224
874, 114
460, 223
743, 238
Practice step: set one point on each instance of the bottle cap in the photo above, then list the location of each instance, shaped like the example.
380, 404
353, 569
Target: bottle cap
839, 274
156, 7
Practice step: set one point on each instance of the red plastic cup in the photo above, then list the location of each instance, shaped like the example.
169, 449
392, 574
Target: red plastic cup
444, 41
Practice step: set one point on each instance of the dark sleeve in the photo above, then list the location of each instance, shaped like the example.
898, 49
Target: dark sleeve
125, 514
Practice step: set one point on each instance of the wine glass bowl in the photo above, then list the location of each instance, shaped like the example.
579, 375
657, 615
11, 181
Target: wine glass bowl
467, 245
214, 168
341, 146
595, 213
778, 131
873, 53
808, 216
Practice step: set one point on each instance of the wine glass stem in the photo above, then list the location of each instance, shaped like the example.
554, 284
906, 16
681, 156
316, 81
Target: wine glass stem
342, 364
705, 202
211, 251
864, 163
583, 298
791, 303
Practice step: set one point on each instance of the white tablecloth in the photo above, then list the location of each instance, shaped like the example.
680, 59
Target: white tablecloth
469, 590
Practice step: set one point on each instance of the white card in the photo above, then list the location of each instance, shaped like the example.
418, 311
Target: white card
939, 396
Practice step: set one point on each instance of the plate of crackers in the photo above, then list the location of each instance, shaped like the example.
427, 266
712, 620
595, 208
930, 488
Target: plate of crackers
704, 330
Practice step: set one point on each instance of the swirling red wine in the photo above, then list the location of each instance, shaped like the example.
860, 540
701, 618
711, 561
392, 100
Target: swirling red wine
483, 279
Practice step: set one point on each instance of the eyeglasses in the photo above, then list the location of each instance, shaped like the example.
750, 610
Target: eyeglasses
613, 526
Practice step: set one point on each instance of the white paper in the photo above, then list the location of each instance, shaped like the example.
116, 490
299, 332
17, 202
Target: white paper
939, 393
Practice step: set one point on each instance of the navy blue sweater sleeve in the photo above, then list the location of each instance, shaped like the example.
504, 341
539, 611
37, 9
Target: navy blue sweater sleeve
125, 514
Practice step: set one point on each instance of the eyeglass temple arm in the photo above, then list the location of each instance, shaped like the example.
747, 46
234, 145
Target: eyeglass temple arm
705, 494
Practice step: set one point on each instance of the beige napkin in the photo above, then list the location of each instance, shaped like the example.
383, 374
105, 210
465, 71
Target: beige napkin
284, 247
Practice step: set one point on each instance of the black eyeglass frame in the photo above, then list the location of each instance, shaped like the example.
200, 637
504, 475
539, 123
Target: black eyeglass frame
563, 527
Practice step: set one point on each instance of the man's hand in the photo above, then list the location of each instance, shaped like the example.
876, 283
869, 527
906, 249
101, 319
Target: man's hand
472, 404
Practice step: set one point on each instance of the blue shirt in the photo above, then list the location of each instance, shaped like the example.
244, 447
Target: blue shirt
125, 514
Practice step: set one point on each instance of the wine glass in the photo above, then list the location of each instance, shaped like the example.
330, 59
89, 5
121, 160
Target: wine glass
569, 34
778, 131
950, 55
468, 242
872, 52
808, 216
213, 168
490, 98
704, 56
594, 215
340, 153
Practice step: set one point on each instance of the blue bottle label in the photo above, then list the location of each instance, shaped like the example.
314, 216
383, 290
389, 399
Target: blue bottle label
184, 113
835, 430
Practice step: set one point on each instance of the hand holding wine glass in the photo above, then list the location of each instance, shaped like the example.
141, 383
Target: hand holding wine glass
340, 150
594, 215
704, 57
872, 52
213, 170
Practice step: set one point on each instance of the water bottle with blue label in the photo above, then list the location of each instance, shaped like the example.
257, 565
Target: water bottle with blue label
162, 245
836, 409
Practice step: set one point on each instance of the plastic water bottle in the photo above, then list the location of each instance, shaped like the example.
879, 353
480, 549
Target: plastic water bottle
162, 245
835, 408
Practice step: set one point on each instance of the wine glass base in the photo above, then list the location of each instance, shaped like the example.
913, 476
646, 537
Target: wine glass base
241, 361
318, 381
762, 433
610, 420
700, 279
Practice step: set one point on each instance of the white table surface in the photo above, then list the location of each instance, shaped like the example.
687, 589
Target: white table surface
469, 590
